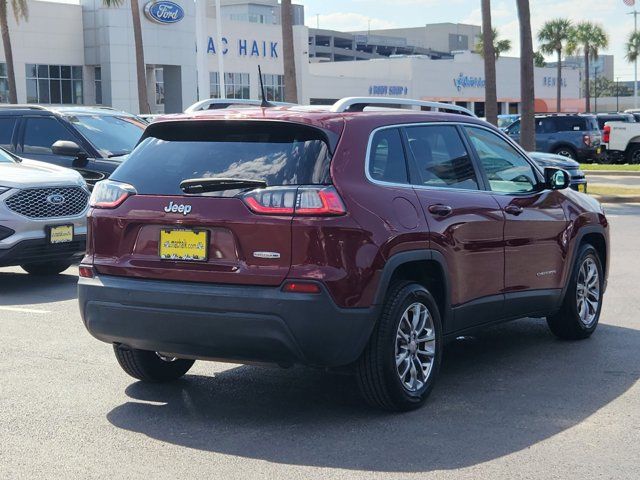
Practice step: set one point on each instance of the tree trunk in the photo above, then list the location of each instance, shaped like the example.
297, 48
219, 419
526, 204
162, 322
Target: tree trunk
141, 73
527, 88
289, 60
491, 95
559, 80
587, 90
8, 52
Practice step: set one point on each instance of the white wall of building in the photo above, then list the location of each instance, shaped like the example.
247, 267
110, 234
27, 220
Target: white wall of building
52, 35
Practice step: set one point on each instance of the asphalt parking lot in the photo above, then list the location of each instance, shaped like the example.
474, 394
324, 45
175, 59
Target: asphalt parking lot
513, 402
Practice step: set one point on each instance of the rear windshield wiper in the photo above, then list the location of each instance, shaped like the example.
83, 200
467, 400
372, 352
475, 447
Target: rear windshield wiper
203, 185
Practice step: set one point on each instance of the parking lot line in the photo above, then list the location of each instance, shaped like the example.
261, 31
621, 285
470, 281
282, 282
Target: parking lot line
23, 310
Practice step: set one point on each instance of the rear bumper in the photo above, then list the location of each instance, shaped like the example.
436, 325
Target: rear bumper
223, 322
41, 251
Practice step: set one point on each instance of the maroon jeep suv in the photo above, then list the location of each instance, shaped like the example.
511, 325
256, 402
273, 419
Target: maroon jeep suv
342, 237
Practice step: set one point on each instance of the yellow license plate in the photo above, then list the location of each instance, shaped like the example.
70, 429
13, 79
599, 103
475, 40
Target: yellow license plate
184, 245
599, 150
61, 234
582, 188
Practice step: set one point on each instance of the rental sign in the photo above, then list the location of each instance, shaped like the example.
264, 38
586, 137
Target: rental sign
164, 12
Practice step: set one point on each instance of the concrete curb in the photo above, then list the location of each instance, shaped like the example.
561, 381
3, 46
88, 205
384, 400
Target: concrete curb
611, 173
617, 198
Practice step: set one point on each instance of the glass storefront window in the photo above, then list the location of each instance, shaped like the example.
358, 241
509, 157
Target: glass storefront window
237, 85
54, 84
274, 87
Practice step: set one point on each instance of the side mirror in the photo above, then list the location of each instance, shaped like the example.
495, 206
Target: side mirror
556, 179
66, 148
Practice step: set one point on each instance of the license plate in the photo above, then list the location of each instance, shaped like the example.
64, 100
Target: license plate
184, 245
61, 234
599, 150
582, 188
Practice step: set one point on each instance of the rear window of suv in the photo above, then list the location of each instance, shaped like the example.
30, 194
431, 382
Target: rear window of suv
278, 153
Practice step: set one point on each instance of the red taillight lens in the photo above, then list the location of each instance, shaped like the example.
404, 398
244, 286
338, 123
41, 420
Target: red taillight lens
110, 194
86, 271
606, 134
587, 140
307, 201
301, 287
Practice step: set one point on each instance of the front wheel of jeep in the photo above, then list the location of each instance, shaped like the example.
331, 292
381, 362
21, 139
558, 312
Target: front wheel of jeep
400, 364
580, 312
149, 366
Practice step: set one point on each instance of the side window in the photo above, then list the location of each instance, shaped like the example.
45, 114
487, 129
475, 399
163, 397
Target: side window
441, 158
507, 170
514, 129
546, 125
7, 125
386, 158
571, 124
41, 133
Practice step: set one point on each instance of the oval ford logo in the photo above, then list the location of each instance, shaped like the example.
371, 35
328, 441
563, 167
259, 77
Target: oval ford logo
56, 199
164, 12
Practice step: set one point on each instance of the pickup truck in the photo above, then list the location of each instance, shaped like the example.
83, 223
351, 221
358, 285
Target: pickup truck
622, 141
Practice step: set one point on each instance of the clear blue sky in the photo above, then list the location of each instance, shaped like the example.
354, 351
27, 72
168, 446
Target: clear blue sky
355, 15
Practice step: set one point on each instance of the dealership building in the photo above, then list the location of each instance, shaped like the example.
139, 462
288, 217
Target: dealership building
83, 53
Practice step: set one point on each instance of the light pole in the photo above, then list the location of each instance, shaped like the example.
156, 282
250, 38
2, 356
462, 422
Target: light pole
635, 64
223, 88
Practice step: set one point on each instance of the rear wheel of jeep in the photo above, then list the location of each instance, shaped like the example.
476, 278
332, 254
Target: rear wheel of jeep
50, 268
580, 312
400, 364
566, 152
150, 366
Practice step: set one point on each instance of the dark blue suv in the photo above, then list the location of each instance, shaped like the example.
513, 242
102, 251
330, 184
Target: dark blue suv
576, 136
91, 140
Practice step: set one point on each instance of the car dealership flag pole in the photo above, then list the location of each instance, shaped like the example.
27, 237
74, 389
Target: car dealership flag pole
220, 52
202, 36
632, 3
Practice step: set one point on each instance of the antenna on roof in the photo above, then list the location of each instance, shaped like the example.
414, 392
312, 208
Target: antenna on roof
265, 103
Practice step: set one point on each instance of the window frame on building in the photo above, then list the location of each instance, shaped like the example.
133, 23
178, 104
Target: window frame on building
55, 84
237, 85
273, 86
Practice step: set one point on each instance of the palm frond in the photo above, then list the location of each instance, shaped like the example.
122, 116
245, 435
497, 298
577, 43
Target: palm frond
20, 9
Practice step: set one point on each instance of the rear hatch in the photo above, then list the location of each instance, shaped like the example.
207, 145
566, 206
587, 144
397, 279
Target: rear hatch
210, 201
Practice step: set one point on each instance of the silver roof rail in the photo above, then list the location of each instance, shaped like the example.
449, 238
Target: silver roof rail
358, 104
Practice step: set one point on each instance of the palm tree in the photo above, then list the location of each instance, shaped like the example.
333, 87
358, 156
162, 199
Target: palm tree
500, 46
20, 12
632, 48
290, 81
527, 87
489, 54
553, 37
588, 38
538, 60
141, 74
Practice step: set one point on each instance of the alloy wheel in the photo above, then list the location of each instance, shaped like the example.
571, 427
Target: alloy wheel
588, 292
415, 347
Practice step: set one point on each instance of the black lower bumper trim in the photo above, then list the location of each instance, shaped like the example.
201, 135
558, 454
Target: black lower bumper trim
41, 251
224, 322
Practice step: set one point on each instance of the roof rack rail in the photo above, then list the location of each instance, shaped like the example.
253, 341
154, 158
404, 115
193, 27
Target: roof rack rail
358, 104
22, 106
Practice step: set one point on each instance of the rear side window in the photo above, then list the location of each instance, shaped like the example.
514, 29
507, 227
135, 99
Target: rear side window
570, 124
276, 152
387, 161
7, 125
441, 157
41, 133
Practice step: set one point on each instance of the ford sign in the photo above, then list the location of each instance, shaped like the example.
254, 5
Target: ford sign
56, 199
164, 12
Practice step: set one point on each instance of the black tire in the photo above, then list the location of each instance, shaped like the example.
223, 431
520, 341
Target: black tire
566, 323
376, 371
148, 366
42, 269
566, 152
633, 153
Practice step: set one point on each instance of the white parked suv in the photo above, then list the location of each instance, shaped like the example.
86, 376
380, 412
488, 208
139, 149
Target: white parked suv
43, 210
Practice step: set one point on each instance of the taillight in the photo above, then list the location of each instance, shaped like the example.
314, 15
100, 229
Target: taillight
307, 201
110, 194
606, 134
587, 140
86, 271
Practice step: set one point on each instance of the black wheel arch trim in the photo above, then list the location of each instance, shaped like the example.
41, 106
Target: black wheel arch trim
584, 231
397, 260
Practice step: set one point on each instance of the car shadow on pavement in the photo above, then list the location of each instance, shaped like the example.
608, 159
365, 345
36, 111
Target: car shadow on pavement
24, 289
500, 392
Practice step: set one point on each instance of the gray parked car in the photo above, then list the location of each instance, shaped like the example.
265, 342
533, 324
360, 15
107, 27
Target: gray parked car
576, 136
43, 211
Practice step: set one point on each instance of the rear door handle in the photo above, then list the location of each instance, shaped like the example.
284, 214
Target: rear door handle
514, 210
441, 210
